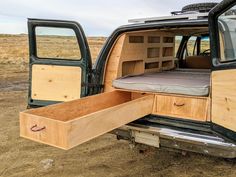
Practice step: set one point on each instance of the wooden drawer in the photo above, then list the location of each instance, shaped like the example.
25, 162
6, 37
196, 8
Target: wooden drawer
71, 123
194, 108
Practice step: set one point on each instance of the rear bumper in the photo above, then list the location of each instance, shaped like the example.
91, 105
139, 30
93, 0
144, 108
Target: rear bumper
209, 144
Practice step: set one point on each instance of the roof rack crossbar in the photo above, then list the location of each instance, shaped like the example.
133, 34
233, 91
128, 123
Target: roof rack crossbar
190, 16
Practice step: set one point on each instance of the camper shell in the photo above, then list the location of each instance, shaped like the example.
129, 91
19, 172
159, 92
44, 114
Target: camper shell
162, 82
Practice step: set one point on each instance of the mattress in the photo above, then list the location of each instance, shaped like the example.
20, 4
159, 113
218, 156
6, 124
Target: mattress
180, 81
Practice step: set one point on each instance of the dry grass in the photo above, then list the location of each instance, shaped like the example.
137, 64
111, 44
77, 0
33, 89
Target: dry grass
14, 48
58, 47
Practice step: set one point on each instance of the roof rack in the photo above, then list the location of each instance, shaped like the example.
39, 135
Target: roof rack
186, 16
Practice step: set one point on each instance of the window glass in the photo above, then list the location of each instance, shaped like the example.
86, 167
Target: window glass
57, 43
191, 46
227, 35
205, 45
178, 40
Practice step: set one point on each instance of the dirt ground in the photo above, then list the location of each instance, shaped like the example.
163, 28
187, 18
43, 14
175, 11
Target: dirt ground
101, 157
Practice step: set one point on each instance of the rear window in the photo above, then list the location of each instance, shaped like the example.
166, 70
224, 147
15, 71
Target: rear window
57, 43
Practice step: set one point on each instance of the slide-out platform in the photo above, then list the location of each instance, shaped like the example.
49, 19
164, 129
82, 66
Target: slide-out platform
69, 124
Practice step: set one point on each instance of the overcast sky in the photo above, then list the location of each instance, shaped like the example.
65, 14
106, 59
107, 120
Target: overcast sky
98, 17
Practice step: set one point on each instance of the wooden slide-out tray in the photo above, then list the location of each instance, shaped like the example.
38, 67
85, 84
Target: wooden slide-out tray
69, 124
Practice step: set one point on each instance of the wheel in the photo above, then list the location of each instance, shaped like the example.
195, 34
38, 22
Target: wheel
199, 7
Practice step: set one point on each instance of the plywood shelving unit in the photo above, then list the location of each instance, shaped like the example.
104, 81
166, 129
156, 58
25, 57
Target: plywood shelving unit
140, 52
152, 51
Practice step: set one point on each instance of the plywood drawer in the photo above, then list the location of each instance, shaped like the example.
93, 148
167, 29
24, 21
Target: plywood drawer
194, 108
71, 123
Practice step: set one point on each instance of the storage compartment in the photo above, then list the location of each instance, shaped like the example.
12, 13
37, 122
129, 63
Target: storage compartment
136, 39
168, 39
194, 108
153, 52
132, 67
168, 52
154, 39
152, 65
167, 65
139, 52
69, 124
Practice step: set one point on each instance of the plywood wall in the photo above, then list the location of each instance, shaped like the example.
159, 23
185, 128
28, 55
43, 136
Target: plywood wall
56, 83
224, 98
138, 53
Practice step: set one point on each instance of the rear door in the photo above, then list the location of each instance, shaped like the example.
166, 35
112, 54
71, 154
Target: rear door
222, 21
60, 62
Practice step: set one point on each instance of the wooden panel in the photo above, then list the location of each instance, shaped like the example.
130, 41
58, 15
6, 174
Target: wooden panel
136, 39
112, 66
56, 83
135, 95
183, 107
168, 39
133, 51
69, 124
123, 50
153, 52
209, 110
154, 47
55, 132
167, 65
152, 65
132, 67
168, 51
87, 105
107, 120
224, 98
154, 39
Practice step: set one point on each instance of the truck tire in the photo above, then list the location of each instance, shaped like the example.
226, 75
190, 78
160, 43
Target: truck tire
199, 7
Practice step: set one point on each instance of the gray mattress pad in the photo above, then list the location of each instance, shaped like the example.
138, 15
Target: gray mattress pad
179, 81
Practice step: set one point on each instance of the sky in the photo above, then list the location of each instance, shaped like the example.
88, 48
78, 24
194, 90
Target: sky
97, 17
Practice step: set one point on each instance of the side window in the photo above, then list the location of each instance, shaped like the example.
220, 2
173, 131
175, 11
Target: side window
178, 40
191, 46
205, 45
57, 43
227, 35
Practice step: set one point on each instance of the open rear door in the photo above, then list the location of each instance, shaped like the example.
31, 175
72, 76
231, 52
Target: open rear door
222, 21
60, 62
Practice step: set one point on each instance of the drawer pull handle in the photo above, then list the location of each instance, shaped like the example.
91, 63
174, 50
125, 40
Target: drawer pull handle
179, 105
35, 128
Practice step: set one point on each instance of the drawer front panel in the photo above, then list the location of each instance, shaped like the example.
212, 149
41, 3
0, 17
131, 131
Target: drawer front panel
43, 130
181, 107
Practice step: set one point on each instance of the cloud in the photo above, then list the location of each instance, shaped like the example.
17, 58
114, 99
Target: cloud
98, 17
